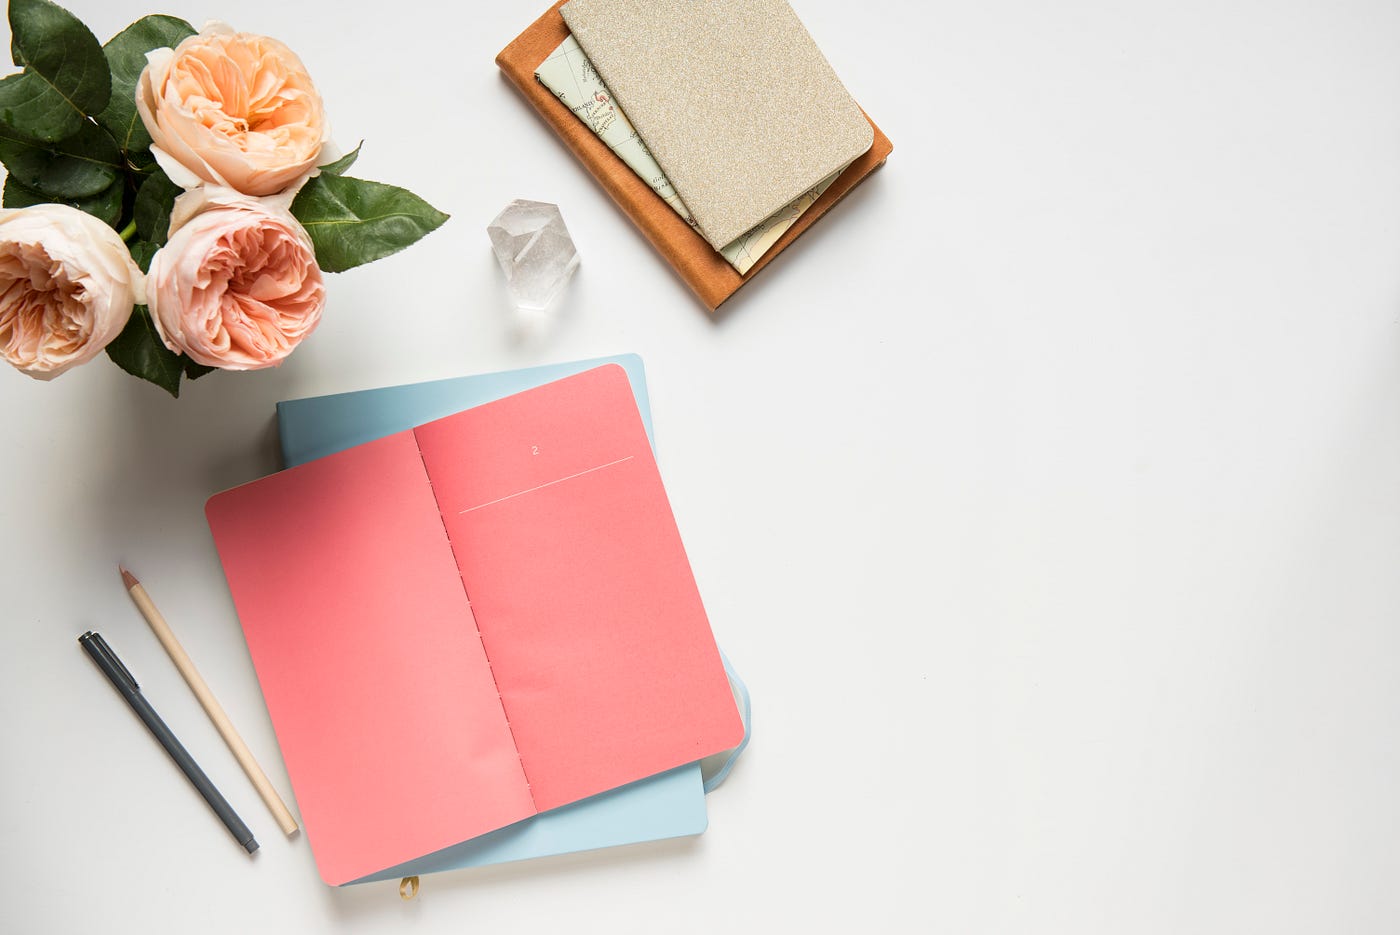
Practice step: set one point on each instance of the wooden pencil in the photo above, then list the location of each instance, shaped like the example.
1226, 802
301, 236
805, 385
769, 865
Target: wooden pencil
210, 704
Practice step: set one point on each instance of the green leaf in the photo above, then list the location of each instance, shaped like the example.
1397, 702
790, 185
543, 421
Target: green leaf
344, 162
141, 252
154, 200
106, 205
141, 161
126, 56
194, 371
352, 222
77, 167
139, 351
17, 196
65, 77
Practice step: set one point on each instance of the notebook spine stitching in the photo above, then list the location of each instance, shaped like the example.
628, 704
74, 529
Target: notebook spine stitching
530, 790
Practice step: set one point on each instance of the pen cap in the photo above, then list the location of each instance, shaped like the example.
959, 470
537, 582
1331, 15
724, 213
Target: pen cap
96, 647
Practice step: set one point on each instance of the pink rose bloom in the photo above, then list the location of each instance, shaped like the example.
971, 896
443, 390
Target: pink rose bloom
67, 287
237, 285
232, 109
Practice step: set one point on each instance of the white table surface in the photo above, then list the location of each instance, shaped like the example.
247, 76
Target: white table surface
1047, 493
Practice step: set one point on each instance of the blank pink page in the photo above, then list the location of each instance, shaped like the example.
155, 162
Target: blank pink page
369, 658
583, 594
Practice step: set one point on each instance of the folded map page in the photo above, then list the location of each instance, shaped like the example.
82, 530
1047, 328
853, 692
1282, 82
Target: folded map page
744, 252
572, 78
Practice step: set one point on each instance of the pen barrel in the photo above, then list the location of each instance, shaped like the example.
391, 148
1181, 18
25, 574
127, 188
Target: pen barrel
197, 777
172, 746
211, 706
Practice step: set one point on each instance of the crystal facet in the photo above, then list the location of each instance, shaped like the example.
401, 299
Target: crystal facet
534, 248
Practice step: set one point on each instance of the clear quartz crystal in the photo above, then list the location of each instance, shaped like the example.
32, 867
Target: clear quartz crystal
534, 248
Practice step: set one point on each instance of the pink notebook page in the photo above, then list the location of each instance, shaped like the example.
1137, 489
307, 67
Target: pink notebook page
585, 600
372, 668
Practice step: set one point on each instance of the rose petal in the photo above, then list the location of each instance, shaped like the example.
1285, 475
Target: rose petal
237, 285
67, 288
232, 109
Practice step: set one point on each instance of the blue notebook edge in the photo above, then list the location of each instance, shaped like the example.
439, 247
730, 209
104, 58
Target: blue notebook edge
315, 426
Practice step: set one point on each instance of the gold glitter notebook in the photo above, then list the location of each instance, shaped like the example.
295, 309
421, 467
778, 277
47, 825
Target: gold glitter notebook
698, 265
732, 97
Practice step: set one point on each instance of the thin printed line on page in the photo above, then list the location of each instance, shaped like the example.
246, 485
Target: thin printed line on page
519, 493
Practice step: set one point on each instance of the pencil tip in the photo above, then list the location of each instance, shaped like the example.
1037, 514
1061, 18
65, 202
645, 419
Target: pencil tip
128, 579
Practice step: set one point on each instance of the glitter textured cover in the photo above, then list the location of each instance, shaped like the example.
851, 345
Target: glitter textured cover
733, 98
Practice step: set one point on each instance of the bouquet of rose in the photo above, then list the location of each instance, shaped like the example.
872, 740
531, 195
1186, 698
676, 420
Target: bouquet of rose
172, 197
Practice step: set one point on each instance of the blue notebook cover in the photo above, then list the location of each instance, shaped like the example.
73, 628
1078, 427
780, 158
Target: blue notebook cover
671, 804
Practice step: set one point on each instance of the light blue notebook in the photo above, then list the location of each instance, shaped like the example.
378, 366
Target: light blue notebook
668, 805
322, 425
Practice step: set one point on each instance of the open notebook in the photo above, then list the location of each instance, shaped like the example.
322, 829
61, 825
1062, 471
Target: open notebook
667, 805
463, 625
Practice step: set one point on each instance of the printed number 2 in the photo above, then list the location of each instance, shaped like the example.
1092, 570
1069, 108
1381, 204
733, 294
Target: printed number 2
534, 449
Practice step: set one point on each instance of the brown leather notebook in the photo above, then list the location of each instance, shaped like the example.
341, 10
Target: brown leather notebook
707, 273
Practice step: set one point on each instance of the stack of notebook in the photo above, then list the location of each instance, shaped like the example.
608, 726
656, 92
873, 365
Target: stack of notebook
474, 623
718, 127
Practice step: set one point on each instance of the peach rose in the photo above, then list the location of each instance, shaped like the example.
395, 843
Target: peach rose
67, 287
232, 109
237, 285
